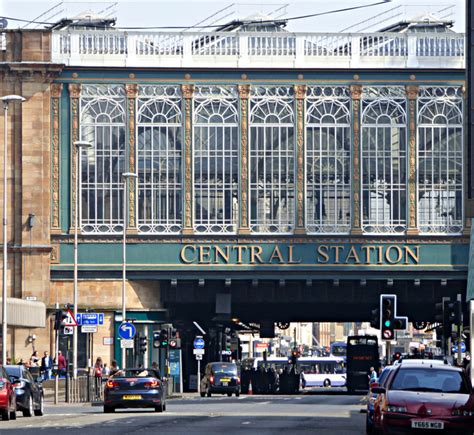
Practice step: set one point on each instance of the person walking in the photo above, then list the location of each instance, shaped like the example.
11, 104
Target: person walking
34, 359
61, 364
46, 366
98, 372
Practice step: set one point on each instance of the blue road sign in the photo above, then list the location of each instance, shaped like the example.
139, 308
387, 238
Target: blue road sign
90, 319
463, 347
199, 343
127, 330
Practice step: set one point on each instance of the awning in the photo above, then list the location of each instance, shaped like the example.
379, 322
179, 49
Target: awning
25, 314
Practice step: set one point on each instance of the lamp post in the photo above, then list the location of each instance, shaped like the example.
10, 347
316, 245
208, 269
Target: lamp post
6, 101
79, 145
125, 178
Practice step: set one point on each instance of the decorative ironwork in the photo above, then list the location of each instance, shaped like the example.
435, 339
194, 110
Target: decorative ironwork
356, 94
244, 94
131, 90
412, 94
160, 160
56, 89
188, 91
74, 94
300, 95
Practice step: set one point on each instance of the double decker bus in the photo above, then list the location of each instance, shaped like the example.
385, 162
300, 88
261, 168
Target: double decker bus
362, 353
339, 349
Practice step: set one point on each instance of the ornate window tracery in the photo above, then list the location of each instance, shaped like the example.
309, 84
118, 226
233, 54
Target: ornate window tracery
216, 159
102, 123
159, 159
384, 147
440, 161
272, 163
328, 159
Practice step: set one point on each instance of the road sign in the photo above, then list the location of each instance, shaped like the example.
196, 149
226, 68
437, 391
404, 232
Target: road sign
69, 320
68, 330
198, 351
463, 347
198, 357
90, 318
126, 344
199, 343
127, 331
88, 329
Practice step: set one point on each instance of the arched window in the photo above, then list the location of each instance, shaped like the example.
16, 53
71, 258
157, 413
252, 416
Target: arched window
272, 171
216, 159
159, 159
328, 159
384, 162
440, 161
102, 123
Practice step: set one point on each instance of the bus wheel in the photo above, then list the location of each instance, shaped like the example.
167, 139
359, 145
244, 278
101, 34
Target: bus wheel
327, 383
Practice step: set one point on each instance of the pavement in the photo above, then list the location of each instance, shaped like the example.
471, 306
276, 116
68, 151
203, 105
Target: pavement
323, 412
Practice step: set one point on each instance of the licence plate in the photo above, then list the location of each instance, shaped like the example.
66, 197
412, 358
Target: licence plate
225, 384
132, 397
423, 424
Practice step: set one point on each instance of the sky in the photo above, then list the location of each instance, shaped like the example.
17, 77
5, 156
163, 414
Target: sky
159, 13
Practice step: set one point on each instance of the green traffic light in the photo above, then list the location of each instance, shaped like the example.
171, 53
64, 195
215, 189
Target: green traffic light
387, 323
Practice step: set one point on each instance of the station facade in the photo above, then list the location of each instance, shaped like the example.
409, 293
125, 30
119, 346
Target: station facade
280, 177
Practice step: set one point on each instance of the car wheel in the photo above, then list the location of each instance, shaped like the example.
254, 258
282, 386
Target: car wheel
12, 415
229, 394
237, 394
203, 393
327, 383
6, 415
108, 409
40, 411
159, 408
164, 406
29, 411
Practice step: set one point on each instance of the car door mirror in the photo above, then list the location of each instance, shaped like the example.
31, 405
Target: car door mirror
378, 390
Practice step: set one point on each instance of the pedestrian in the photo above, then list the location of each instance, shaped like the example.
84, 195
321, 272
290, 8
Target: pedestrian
46, 366
105, 370
373, 375
61, 364
114, 368
34, 359
98, 368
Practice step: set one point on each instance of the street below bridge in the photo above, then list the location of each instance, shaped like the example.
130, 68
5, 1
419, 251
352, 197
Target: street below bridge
323, 412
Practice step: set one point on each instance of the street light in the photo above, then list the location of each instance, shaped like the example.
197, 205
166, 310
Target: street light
79, 145
125, 178
6, 101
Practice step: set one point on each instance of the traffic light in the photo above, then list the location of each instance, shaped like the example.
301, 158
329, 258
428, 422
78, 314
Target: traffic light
396, 356
142, 344
164, 339
375, 319
156, 339
387, 310
227, 343
59, 317
174, 341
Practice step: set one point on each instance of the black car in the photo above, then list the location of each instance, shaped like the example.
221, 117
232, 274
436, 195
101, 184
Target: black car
135, 388
28, 389
221, 378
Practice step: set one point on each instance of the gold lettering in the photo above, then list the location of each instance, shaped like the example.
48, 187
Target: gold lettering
224, 255
255, 252
367, 250
379, 254
410, 253
182, 254
388, 258
352, 255
204, 254
337, 249
240, 250
290, 256
323, 252
276, 254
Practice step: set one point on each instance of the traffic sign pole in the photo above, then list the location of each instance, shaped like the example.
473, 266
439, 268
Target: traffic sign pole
198, 382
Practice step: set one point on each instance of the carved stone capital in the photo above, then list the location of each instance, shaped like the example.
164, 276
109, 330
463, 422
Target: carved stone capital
300, 91
131, 90
412, 92
187, 90
75, 90
244, 91
56, 89
356, 92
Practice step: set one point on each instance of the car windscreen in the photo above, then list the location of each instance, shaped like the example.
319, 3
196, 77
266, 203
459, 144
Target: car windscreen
13, 371
137, 373
230, 369
430, 379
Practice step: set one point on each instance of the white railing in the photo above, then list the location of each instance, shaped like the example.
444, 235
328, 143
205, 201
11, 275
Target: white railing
259, 49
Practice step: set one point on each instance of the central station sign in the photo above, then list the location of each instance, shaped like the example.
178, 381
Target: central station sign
301, 254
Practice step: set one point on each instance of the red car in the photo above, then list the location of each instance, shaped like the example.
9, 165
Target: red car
425, 396
7, 397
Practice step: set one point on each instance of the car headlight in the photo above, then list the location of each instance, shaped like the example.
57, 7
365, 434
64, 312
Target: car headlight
395, 408
459, 412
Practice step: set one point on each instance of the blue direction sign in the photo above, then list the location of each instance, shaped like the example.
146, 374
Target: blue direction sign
199, 343
90, 319
127, 330
463, 347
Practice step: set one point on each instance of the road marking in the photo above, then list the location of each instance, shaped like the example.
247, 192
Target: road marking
246, 422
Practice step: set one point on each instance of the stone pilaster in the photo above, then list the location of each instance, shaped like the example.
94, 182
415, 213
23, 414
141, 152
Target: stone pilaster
244, 93
188, 92
132, 92
300, 96
412, 95
356, 93
56, 89
74, 96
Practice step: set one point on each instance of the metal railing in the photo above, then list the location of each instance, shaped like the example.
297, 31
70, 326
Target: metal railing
84, 389
110, 47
